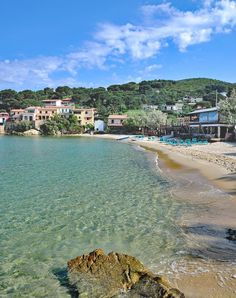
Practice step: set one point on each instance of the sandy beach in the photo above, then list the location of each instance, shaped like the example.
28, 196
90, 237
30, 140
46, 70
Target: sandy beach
205, 175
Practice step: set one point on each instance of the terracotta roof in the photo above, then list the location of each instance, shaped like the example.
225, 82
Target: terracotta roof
17, 110
32, 108
117, 117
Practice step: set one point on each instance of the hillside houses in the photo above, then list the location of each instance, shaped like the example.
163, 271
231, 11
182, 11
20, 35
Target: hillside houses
38, 115
172, 107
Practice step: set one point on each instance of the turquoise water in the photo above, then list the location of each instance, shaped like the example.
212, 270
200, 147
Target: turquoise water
61, 197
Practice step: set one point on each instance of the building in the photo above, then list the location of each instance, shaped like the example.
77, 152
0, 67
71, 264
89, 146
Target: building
3, 118
183, 121
116, 120
52, 102
192, 100
99, 126
38, 115
46, 113
85, 116
150, 107
67, 101
16, 114
209, 121
30, 114
175, 107
58, 102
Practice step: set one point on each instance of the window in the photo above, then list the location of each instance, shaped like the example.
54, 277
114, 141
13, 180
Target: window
112, 121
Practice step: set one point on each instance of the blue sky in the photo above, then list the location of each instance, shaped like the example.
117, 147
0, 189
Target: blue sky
98, 43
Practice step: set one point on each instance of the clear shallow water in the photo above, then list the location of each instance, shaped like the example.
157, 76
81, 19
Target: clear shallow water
61, 197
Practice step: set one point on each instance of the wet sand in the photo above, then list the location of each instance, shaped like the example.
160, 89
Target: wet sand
171, 160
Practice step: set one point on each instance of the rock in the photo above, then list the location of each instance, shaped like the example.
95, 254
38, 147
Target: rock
231, 235
31, 132
99, 275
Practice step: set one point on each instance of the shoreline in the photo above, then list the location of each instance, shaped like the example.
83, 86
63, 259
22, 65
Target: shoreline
214, 173
208, 164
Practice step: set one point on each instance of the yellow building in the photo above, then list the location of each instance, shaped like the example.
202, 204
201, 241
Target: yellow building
85, 116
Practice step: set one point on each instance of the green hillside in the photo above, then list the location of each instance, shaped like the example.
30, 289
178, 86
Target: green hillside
120, 98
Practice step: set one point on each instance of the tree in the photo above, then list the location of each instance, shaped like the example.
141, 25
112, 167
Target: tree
27, 94
63, 91
59, 123
155, 119
228, 108
20, 126
49, 128
136, 120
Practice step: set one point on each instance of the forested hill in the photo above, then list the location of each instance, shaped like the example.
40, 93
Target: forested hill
120, 98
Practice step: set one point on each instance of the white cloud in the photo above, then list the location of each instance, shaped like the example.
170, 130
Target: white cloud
152, 67
185, 28
114, 43
36, 71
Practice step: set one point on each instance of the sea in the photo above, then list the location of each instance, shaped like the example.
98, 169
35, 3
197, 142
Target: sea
61, 197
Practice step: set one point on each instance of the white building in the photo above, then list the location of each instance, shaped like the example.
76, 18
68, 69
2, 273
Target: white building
29, 114
190, 99
150, 107
177, 107
99, 126
53, 102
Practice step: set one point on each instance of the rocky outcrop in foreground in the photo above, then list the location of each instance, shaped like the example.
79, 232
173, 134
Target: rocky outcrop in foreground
116, 275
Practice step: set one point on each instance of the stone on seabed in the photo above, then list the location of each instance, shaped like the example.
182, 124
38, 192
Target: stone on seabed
116, 275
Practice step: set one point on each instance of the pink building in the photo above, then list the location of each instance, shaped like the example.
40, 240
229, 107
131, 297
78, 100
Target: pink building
116, 120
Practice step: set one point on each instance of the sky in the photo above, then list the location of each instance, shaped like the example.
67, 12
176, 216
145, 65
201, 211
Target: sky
91, 43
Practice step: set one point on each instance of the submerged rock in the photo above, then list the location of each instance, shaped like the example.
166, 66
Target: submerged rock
231, 235
116, 275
